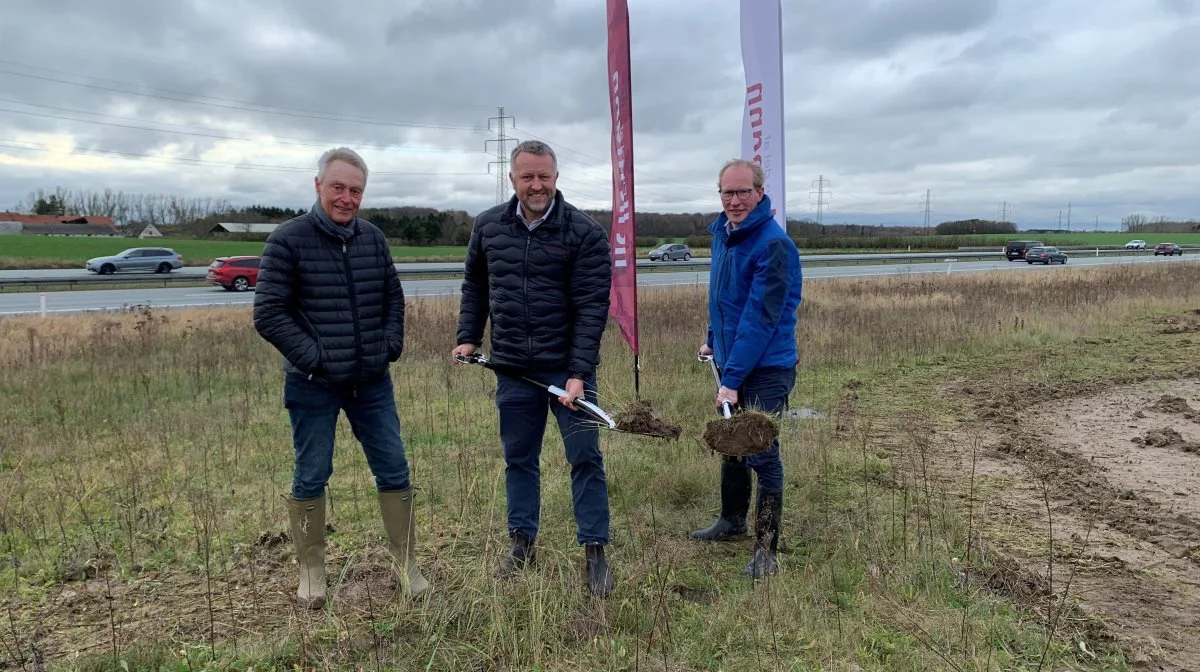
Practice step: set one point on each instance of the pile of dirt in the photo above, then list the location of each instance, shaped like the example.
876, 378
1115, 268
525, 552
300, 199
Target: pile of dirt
1178, 325
743, 434
1172, 404
1167, 438
1177, 405
640, 419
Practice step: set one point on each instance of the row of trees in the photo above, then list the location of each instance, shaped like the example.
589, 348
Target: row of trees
1137, 223
965, 227
428, 226
124, 208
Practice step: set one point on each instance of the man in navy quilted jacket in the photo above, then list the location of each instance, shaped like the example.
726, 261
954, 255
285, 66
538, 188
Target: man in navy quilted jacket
539, 270
329, 300
753, 293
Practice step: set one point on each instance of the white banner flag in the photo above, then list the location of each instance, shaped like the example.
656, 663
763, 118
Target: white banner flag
762, 120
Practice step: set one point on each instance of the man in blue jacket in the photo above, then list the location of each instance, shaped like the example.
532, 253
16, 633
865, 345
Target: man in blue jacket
753, 293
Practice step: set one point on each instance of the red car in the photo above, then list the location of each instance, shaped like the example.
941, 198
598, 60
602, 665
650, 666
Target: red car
236, 274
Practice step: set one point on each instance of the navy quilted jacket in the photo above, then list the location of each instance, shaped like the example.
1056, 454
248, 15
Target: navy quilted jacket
329, 299
546, 291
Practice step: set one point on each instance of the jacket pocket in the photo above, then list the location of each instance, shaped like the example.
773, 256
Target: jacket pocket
319, 364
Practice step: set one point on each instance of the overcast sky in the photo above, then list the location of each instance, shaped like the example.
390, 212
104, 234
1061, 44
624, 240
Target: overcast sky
1036, 103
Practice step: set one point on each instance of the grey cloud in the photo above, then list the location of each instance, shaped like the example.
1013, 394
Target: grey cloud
470, 17
1178, 7
1033, 101
859, 27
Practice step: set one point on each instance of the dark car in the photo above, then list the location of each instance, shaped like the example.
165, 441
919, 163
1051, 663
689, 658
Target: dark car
1046, 255
1167, 249
671, 251
236, 274
1015, 249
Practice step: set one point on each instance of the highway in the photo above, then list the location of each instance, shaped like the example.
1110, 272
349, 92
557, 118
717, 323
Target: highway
201, 271
195, 297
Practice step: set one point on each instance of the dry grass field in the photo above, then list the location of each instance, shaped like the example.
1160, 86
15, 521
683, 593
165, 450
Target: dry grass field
967, 501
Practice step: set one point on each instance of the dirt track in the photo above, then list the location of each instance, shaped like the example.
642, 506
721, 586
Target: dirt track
1124, 493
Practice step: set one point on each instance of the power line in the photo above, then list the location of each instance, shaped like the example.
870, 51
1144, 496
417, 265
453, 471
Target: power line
264, 109
501, 154
595, 161
160, 62
214, 134
193, 95
49, 147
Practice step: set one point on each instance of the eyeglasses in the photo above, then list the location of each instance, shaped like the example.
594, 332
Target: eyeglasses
742, 194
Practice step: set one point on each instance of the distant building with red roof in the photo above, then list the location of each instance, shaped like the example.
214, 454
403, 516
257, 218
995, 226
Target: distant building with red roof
58, 225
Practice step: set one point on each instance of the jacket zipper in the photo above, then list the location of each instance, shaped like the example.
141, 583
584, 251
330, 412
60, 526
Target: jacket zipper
353, 312
721, 272
525, 293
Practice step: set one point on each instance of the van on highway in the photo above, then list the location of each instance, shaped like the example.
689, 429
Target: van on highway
1016, 249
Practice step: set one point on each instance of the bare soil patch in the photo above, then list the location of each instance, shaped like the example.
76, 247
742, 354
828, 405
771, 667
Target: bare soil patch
1111, 473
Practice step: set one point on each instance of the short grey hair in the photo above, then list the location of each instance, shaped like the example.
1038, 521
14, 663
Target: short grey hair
343, 154
535, 147
760, 178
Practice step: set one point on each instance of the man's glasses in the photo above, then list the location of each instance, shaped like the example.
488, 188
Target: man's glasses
742, 194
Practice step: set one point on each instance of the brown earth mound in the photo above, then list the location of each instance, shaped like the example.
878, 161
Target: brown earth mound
640, 419
1172, 404
743, 434
1167, 438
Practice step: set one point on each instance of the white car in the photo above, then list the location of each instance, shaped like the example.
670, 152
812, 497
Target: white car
1135, 245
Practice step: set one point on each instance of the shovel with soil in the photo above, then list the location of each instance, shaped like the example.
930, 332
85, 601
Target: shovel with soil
739, 433
638, 419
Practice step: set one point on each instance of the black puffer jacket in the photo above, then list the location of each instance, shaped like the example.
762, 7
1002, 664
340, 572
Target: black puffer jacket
329, 299
546, 290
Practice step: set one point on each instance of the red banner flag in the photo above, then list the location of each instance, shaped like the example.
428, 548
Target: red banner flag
623, 305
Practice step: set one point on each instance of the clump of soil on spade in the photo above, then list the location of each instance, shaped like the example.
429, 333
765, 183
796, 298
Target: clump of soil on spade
639, 418
743, 434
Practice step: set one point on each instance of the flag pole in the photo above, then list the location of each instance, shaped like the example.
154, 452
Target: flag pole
624, 292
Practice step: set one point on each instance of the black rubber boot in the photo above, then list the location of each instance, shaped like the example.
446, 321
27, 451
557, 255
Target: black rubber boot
522, 555
735, 504
600, 578
766, 534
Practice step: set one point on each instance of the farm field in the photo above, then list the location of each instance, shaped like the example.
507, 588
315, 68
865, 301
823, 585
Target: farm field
986, 488
1089, 238
71, 252
35, 252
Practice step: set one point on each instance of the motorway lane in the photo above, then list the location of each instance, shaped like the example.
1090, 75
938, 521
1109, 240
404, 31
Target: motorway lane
201, 271
186, 271
196, 297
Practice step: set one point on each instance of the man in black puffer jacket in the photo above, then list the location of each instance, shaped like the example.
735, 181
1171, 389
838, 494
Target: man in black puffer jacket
540, 270
329, 299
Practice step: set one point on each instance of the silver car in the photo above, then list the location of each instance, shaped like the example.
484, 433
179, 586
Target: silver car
143, 259
670, 251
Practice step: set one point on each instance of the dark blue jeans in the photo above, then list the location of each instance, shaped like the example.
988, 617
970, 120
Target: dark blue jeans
523, 408
371, 410
767, 390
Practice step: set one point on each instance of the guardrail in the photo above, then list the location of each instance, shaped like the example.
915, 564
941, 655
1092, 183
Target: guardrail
156, 280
